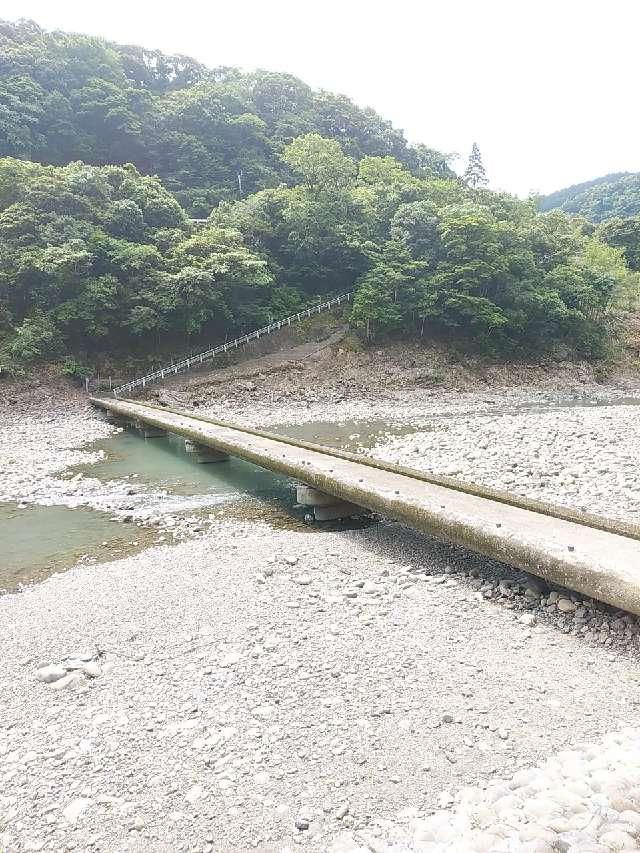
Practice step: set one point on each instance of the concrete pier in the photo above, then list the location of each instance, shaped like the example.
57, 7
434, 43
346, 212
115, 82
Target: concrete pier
203, 453
325, 507
118, 420
148, 430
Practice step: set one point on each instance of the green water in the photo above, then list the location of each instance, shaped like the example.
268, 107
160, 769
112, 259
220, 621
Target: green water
39, 540
162, 463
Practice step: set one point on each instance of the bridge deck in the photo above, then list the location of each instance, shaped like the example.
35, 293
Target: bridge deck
596, 562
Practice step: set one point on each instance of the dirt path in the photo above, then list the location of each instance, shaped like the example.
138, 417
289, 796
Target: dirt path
280, 362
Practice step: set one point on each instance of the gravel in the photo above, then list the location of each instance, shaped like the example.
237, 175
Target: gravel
585, 800
355, 690
584, 457
408, 408
247, 706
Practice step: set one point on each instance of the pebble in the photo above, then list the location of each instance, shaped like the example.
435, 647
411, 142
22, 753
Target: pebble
535, 809
72, 679
342, 811
194, 794
51, 673
73, 811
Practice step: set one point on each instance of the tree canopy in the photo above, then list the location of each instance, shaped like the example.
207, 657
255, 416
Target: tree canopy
98, 257
428, 252
209, 134
615, 195
106, 151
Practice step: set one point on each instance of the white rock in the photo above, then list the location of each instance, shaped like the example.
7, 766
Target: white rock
342, 811
71, 680
73, 811
83, 656
91, 669
616, 839
194, 794
51, 673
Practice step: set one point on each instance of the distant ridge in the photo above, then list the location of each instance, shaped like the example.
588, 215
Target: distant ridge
616, 194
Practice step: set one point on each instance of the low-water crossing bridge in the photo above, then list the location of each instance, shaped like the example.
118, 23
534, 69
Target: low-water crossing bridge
597, 557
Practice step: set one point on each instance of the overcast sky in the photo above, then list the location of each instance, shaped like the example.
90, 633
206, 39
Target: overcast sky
548, 88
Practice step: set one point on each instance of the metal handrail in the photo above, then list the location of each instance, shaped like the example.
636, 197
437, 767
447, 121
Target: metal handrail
200, 358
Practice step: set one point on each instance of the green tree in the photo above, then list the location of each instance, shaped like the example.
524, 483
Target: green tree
319, 162
615, 195
474, 175
95, 258
210, 134
388, 294
623, 234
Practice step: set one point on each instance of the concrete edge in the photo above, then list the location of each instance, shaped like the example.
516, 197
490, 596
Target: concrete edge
608, 525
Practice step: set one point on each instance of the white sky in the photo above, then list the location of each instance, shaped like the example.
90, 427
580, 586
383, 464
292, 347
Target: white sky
548, 88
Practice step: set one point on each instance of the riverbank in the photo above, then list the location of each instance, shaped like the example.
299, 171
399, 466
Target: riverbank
269, 689
50, 446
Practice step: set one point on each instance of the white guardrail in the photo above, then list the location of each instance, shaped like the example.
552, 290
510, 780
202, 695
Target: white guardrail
201, 357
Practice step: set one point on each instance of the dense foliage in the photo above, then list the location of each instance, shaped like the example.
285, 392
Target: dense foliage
612, 195
95, 258
209, 134
306, 195
432, 253
625, 235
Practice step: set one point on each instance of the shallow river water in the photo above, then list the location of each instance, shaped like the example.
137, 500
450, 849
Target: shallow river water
39, 540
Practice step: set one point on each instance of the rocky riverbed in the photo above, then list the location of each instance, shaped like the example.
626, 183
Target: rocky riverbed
39, 455
356, 690
585, 457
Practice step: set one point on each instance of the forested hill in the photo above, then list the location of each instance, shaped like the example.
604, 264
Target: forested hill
617, 194
108, 152
209, 134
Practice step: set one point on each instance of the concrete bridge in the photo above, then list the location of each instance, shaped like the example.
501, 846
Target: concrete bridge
597, 557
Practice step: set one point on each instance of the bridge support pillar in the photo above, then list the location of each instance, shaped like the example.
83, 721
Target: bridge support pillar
325, 507
203, 453
149, 431
118, 420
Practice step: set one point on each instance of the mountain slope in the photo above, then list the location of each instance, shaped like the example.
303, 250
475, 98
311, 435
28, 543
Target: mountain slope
617, 194
209, 134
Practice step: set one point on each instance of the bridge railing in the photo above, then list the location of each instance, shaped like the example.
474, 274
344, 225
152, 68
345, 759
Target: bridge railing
200, 358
